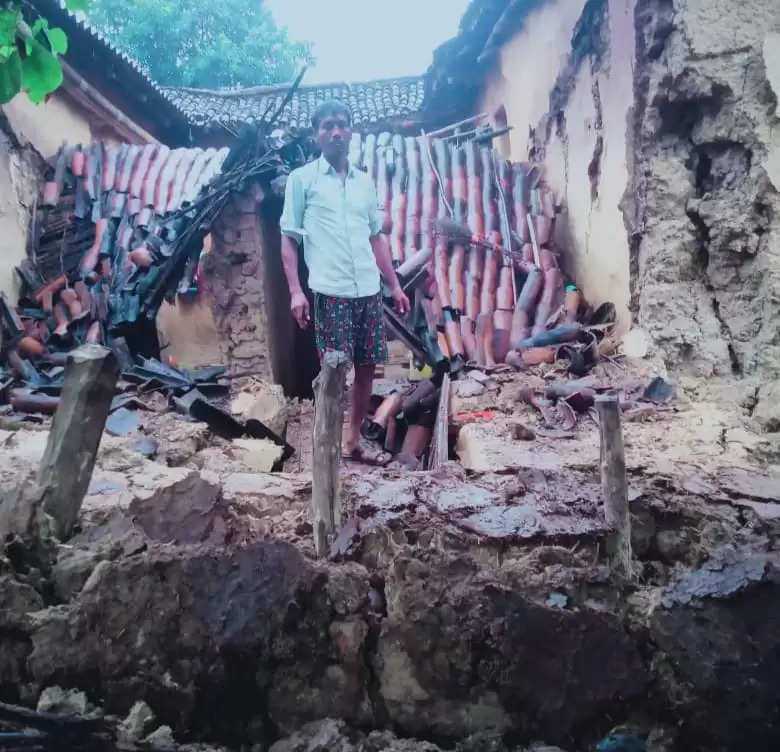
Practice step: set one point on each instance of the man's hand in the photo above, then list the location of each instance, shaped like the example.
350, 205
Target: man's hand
400, 301
299, 305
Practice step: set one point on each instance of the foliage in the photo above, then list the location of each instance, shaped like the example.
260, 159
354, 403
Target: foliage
201, 43
29, 55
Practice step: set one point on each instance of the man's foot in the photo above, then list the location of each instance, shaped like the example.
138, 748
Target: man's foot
367, 454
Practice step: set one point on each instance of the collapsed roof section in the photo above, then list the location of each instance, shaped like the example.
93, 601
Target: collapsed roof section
374, 104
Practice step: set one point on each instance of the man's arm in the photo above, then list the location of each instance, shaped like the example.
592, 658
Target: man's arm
384, 259
381, 249
291, 224
299, 303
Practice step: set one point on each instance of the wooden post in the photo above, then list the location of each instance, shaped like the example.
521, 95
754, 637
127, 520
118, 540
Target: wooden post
328, 423
614, 485
439, 452
66, 468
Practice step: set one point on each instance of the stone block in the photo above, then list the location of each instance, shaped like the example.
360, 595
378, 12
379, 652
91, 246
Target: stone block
257, 455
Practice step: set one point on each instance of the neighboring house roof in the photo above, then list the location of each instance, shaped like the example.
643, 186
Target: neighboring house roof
372, 103
113, 73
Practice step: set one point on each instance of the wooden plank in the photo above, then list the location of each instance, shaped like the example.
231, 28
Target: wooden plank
439, 452
614, 486
328, 424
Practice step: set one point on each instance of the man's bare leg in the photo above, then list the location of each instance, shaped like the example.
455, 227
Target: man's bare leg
361, 396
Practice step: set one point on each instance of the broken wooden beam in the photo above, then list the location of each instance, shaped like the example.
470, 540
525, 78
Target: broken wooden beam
439, 452
328, 425
614, 485
66, 468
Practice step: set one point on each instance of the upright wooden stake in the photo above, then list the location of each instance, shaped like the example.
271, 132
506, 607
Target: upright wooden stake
613, 484
328, 423
66, 468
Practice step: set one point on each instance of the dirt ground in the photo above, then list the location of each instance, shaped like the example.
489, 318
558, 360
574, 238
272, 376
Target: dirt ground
403, 627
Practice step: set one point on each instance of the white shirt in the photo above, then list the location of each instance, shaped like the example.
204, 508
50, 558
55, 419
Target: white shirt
334, 220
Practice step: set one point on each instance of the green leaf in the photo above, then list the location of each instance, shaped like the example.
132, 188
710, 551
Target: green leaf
41, 72
10, 78
41, 24
74, 6
9, 20
58, 40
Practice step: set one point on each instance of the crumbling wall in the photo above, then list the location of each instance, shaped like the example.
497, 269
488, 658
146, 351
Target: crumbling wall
234, 276
661, 135
21, 171
247, 289
702, 208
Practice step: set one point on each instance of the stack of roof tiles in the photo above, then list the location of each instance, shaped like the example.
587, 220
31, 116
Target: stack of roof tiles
102, 239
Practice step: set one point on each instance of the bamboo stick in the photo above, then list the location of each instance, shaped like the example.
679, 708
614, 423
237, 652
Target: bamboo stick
459, 124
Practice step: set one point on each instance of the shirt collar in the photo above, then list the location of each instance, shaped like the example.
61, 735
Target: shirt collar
326, 167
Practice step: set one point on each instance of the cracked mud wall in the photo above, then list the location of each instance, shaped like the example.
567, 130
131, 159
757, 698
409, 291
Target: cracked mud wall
250, 300
657, 121
232, 272
21, 170
703, 205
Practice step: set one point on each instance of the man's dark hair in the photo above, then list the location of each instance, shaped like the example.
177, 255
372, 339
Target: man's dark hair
330, 107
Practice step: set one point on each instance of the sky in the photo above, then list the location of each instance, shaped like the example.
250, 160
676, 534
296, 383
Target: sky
360, 40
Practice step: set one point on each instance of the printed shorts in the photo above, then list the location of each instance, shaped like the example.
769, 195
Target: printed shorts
353, 325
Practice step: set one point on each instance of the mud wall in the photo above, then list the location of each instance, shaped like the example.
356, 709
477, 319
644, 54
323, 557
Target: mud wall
45, 126
21, 170
187, 331
658, 124
565, 82
249, 298
702, 208
232, 274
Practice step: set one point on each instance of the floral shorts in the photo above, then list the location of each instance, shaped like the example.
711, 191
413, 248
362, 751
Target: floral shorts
353, 325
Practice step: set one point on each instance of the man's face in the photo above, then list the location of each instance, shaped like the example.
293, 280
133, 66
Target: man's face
333, 135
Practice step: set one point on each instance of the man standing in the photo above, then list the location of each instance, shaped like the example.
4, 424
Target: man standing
331, 207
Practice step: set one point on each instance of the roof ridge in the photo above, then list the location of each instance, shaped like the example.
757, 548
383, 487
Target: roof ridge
274, 88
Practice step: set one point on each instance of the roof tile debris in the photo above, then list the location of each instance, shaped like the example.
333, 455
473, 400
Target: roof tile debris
371, 103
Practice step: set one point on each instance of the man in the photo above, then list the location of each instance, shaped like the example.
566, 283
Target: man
331, 207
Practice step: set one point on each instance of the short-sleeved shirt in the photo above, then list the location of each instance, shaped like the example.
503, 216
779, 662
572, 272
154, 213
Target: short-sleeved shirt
334, 220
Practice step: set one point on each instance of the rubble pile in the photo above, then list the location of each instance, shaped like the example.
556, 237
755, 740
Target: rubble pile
117, 230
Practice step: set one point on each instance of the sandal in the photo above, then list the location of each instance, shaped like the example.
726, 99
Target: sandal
369, 454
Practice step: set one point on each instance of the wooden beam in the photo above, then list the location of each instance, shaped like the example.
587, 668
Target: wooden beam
328, 424
439, 452
66, 468
614, 486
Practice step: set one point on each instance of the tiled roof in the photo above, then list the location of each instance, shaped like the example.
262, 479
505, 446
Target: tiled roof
371, 103
103, 64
